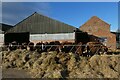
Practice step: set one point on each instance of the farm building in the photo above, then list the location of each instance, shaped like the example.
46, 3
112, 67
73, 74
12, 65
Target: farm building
43, 28
1, 38
117, 39
37, 27
3, 28
97, 27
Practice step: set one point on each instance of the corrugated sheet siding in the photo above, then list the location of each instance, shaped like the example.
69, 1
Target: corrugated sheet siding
61, 36
39, 24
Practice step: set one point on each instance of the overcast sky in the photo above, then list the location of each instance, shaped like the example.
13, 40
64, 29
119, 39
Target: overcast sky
74, 13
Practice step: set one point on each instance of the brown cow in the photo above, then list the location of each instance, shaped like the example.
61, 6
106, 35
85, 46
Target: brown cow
54, 46
38, 47
45, 47
79, 48
67, 47
95, 48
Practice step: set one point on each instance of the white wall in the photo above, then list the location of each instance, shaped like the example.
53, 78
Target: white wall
45, 37
60, 36
1, 39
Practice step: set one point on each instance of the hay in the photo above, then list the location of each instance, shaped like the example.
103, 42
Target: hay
62, 65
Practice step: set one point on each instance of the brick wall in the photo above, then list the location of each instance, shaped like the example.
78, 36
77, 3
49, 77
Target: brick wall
99, 28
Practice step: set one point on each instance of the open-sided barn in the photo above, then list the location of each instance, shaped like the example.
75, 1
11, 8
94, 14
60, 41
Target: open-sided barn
43, 28
117, 39
37, 27
3, 29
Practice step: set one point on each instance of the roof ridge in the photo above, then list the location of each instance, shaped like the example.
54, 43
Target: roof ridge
25, 18
36, 14
101, 20
22, 21
6, 24
44, 16
55, 19
93, 19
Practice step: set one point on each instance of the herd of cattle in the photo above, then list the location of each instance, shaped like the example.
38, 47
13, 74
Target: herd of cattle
88, 49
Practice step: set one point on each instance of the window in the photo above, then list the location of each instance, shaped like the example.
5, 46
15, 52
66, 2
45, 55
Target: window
103, 40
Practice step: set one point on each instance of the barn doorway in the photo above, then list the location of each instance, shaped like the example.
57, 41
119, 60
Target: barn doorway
81, 37
18, 37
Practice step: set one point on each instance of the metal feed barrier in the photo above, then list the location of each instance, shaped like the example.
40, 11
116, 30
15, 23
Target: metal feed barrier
72, 47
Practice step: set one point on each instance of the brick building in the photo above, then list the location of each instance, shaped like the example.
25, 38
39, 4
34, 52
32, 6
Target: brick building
97, 27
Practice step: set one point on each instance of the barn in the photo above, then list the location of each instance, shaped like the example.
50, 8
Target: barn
3, 29
117, 39
99, 28
37, 27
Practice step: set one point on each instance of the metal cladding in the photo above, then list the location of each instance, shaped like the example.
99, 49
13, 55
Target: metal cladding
40, 24
5, 27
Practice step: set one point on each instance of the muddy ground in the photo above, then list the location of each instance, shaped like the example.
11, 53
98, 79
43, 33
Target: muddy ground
23, 63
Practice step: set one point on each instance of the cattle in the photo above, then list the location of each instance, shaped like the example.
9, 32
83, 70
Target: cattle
38, 47
57, 44
23, 46
41, 47
54, 46
103, 49
95, 48
45, 47
79, 48
67, 47
31, 46
51, 46
73, 48
5, 47
12, 46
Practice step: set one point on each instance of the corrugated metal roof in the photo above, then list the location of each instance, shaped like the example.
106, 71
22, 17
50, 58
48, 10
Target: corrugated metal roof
5, 27
40, 24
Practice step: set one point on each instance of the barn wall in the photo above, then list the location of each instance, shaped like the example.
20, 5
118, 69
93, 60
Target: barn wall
97, 27
40, 24
111, 38
52, 37
1, 39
